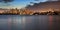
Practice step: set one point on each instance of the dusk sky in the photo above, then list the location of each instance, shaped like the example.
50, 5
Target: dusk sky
19, 3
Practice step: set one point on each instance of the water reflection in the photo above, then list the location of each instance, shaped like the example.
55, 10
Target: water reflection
50, 22
17, 22
54, 22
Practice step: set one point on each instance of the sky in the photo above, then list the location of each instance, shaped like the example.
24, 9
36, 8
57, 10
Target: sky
18, 3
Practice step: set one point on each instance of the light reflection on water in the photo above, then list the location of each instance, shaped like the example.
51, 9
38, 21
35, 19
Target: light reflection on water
17, 22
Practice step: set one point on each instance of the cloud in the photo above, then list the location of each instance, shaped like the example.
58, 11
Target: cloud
6, 1
53, 0
36, 0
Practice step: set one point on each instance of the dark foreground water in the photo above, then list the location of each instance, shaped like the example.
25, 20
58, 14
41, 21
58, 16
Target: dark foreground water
17, 22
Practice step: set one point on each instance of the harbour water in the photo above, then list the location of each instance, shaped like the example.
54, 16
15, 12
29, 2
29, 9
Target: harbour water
40, 22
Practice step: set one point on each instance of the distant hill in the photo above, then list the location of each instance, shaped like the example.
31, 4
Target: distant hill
52, 5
